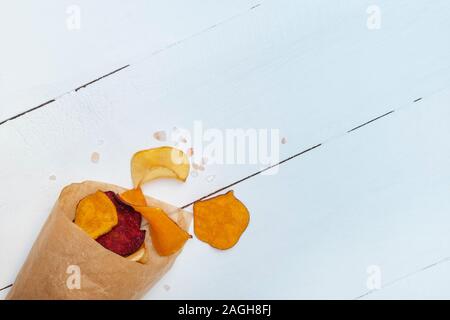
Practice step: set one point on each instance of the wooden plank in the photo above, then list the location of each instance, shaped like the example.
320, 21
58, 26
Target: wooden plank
3, 294
311, 25
46, 52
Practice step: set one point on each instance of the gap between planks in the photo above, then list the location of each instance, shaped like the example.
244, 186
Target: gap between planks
406, 276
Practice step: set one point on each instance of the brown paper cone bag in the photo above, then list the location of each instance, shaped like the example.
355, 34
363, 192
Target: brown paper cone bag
62, 246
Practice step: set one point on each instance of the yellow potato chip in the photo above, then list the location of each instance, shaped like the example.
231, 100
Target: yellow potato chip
138, 255
96, 214
220, 221
146, 257
163, 162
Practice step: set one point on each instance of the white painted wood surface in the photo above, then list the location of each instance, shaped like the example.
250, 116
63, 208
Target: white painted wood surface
44, 54
376, 196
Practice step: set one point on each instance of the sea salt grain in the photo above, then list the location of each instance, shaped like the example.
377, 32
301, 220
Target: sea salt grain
95, 157
198, 167
160, 135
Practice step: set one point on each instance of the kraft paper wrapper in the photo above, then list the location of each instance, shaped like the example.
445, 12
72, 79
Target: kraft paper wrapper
104, 274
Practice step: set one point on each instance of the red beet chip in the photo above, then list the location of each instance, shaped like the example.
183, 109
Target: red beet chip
122, 240
126, 237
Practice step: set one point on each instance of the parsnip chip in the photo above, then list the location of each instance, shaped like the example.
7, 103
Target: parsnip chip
134, 197
138, 255
163, 162
96, 214
167, 236
146, 257
220, 221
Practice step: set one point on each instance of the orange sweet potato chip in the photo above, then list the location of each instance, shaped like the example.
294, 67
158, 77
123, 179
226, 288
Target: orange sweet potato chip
96, 214
167, 236
163, 162
220, 221
134, 197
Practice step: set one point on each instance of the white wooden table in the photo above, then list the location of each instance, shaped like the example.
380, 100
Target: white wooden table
367, 205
